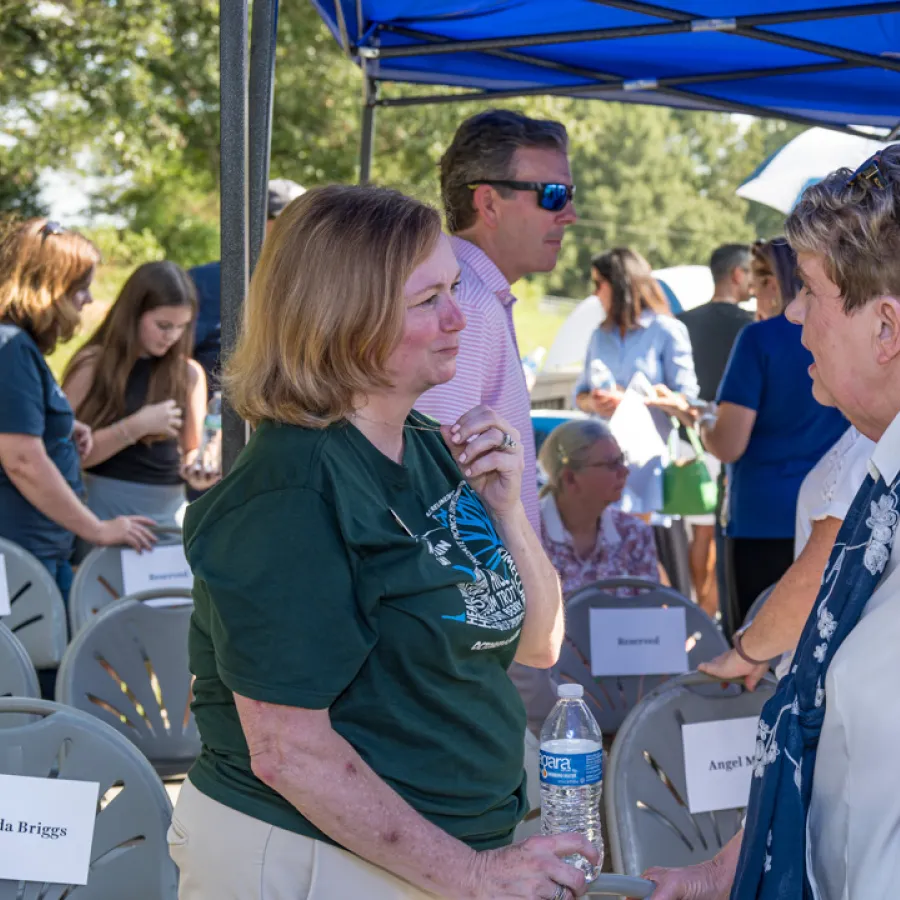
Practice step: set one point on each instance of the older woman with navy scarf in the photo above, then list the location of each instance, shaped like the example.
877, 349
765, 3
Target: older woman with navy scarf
824, 814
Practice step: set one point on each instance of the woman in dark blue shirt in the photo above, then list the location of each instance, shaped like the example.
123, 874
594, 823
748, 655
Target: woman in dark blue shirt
771, 432
45, 278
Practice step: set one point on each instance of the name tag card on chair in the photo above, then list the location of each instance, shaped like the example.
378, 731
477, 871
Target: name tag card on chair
5, 608
718, 763
46, 829
638, 641
161, 567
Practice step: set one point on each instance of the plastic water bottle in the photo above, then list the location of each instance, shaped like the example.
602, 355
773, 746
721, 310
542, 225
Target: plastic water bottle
572, 773
210, 456
601, 376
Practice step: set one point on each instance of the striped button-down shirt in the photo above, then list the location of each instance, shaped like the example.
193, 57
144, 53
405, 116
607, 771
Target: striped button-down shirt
488, 368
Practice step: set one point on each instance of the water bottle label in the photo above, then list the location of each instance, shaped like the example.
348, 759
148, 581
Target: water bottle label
571, 770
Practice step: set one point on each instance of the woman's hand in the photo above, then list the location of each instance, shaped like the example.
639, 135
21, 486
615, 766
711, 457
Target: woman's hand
705, 881
83, 438
494, 474
672, 404
198, 476
533, 869
133, 531
159, 418
605, 403
730, 665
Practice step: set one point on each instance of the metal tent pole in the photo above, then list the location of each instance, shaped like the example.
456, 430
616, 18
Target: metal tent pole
367, 144
233, 178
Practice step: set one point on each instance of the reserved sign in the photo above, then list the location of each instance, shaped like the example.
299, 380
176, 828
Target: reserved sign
5, 608
161, 567
46, 829
638, 641
718, 763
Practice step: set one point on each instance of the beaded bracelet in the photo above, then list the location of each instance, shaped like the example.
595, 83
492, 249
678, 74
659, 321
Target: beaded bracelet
739, 647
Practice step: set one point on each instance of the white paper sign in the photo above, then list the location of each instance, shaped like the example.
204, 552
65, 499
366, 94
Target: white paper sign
638, 641
161, 567
5, 608
718, 763
46, 829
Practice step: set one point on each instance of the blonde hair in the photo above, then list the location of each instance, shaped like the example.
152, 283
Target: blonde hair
41, 265
566, 447
855, 226
326, 308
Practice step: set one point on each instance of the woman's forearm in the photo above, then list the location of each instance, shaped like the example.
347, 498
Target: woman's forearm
111, 440
544, 626
43, 486
320, 774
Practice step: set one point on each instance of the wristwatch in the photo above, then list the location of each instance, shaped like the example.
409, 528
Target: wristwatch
739, 647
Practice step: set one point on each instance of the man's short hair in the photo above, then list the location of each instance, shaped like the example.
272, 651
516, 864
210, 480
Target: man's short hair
727, 258
484, 148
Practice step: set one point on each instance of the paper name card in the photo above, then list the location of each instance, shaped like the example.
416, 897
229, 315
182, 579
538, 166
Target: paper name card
638, 641
161, 567
46, 829
718, 763
5, 608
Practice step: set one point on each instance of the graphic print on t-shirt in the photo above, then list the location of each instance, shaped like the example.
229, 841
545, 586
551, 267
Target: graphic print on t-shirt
494, 599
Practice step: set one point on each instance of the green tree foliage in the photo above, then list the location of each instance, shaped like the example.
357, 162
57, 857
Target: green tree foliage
130, 87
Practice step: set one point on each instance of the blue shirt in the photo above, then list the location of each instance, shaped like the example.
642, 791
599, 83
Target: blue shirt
208, 333
768, 373
31, 402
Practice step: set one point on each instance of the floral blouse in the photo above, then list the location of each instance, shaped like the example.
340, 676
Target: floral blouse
625, 548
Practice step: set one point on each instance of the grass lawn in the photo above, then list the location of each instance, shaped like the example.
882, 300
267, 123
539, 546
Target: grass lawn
534, 327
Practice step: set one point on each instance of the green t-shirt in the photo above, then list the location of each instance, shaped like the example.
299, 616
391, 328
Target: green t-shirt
328, 576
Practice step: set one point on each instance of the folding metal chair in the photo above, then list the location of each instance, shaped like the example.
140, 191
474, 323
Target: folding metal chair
18, 677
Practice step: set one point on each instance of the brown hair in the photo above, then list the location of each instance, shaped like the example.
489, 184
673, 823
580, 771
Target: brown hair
634, 289
41, 266
325, 308
484, 147
775, 259
854, 225
115, 345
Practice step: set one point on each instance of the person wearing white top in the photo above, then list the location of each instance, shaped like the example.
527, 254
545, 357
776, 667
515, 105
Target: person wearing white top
846, 231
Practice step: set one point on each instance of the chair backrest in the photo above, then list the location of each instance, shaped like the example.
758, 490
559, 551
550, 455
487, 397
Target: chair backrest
645, 793
38, 615
17, 675
757, 605
128, 666
610, 697
98, 581
129, 856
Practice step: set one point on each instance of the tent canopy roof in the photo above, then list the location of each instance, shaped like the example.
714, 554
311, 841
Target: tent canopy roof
830, 63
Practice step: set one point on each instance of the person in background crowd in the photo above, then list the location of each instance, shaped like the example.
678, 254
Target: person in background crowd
824, 815
208, 281
713, 328
772, 278
361, 736
135, 385
45, 281
770, 431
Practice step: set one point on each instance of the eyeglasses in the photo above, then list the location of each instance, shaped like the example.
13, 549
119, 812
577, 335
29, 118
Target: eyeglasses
868, 173
552, 196
620, 462
50, 229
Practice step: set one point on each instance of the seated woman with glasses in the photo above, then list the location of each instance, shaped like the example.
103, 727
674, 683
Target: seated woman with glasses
585, 537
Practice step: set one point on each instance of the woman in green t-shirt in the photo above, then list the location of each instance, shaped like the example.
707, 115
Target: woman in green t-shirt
361, 584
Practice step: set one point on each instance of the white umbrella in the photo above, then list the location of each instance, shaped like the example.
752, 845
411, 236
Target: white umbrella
808, 158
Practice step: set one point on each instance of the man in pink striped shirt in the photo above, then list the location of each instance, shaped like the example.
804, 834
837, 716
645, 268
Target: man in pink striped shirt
507, 194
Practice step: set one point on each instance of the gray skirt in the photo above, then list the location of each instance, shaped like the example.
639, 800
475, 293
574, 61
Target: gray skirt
110, 497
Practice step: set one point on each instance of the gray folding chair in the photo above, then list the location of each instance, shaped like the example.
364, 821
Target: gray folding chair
98, 580
610, 697
645, 790
128, 666
17, 675
38, 615
129, 856
757, 605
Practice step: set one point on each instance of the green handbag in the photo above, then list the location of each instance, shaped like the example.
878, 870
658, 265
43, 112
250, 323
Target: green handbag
688, 488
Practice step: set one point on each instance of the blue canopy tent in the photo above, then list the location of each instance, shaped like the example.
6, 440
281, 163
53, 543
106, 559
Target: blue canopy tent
835, 65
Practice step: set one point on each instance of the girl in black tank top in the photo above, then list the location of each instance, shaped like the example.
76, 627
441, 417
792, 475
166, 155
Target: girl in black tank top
135, 384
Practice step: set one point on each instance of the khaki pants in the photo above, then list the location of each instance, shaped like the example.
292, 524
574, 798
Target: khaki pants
224, 855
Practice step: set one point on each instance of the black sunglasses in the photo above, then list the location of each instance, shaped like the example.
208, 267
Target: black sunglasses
552, 196
50, 229
868, 173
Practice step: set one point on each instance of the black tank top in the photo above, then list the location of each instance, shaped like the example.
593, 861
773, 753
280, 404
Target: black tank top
156, 463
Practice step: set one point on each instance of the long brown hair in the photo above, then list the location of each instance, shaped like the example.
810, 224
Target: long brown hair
41, 266
115, 345
634, 289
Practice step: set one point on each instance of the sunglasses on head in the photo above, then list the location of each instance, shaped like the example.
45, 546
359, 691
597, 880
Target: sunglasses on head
51, 228
551, 196
869, 173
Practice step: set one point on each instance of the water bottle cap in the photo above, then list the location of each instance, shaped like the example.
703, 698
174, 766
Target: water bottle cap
570, 691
